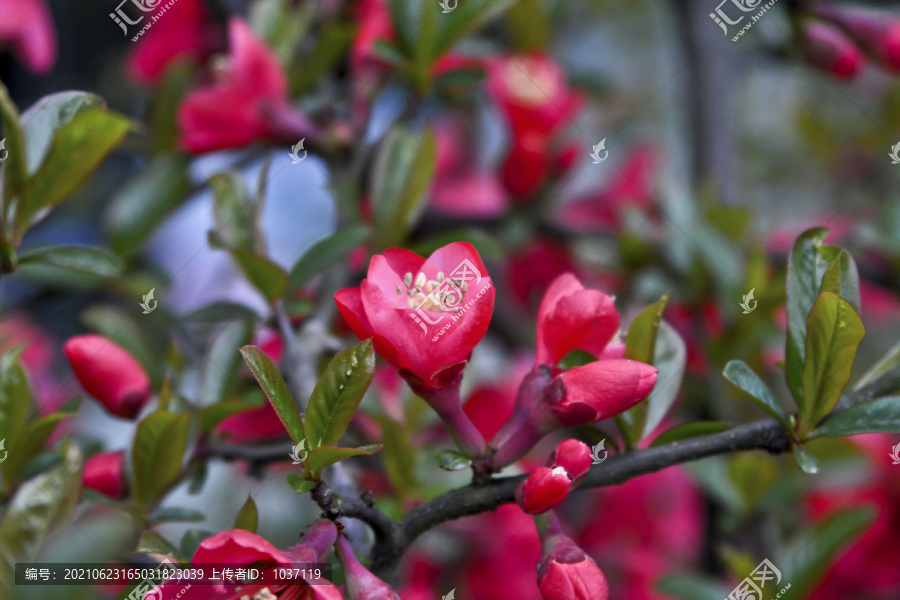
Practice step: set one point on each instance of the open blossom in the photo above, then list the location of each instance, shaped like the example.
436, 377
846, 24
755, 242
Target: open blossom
26, 25
239, 547
109, 373
567, 573
361, 584
247, 103
424, 316
106, 473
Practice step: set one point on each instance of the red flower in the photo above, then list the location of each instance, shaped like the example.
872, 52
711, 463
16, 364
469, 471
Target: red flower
574, 456
424, 315
248, 103
360, 583
876, 32
528, 164
108, 373
572, 317
531, 270
182, 34
254, 425
106, 474
543, 489
567, 573
532, 91
27, 26
241, 547
826, 47
599, 390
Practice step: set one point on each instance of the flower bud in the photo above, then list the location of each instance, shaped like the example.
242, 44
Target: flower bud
567, 573
875, 32
106, 473
360, 583
826, 47
543, 489
574, 456
108, 373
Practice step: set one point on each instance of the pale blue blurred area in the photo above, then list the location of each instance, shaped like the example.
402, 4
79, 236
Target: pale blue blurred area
297, 211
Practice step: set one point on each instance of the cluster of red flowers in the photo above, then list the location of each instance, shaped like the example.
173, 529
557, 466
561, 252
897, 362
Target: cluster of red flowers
839, 39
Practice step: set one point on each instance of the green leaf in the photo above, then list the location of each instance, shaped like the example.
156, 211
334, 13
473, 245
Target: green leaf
468, 16
15, 170
300, 485
28, 442
15, 394
190, 541
234, 212
808, 463
78, 259
670, 357
176, 514
223, 311
334, 39
338, 394
576, 358
37, 506
884, 364
77, 150
153, 543
640, 343
325, 456
222, 360
145, 201
881, 415
276, 390
450, 460
691, 587
248, 517
159, 445
402, 173
324, 254
42, 120
804, 273
808, 559
687, 431
263, 274
842, 278
406, 21
399, 456
168, 94
833, 337
741, 375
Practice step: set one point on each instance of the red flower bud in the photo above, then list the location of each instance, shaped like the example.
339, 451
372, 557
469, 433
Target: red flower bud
106, 474
573, 318
543, 489
527, 166
828, 48
567, 573
574, 456
360, 583
108, 373
875, 32
599, 390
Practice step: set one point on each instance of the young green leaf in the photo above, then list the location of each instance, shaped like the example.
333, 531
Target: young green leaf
176, 514
338, 393
222, 360
881, 415
234, 212
834, 332
78, 259
248, 517
46, 116
640, 343
276, 390
153, 543
803, 279
841, 277
323, 254
669, 358
402, 173
450, 460
27, 442
325, 456
808, 463
15, 174
300, 485
266, 276
741, 375
15, 394
159, 445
